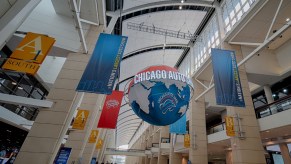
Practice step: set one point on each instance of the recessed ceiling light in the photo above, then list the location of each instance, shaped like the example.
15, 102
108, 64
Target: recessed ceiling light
180, 7
287, 19
13, 83
285, 90
182, 1
19, 87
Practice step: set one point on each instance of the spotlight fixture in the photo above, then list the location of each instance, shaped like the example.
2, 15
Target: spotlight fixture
274, 95
287, 19
20, 88
285, 90
180, 7
13, 83
182, 1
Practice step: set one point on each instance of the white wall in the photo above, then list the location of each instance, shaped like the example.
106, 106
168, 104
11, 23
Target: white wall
43, 19
283, 55
275, 121
266, 63
50, 69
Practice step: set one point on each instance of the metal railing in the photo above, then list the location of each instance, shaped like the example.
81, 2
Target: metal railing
216, 128
273, 108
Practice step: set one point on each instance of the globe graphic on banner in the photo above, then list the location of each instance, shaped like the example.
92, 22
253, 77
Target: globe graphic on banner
160, 95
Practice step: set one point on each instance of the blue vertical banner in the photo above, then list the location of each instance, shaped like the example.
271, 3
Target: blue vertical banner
226, 78
101, 71
63, 155
179, 127
93, 160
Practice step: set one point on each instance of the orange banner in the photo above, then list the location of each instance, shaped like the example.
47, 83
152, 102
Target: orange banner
229, 123
21, 66
93, 136
187, 140
33, 47
80, 120
99, 144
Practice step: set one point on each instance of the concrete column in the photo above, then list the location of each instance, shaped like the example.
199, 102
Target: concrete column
164, 133
250, 149
268, 93
285, 153
197, 128
174, 158
228, 157
44, 139
89, 148
77, 139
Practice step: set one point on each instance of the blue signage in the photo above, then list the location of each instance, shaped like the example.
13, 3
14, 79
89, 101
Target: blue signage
179, 127
63, 155
101, 71
94, 160
226, 78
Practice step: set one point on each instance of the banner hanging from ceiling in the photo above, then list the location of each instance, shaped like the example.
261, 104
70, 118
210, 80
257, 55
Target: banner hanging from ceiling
63, 155
101, 71
226, 78
109, 115
179, 127
30, 53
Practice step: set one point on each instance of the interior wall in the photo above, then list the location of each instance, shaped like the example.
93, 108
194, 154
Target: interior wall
283, 55
43, 19
266, 63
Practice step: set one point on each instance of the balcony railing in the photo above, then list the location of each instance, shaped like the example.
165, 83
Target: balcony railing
273, 108
216, 128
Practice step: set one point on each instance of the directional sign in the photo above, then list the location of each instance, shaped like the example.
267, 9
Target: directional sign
93, 136
81, 119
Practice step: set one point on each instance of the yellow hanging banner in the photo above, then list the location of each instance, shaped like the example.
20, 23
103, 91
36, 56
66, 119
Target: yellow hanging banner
93, 136
187, 140
34, 48
80, 120
99, 144
21, 66
229, 123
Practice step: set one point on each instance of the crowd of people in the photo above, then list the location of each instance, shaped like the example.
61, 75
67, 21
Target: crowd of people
8, 154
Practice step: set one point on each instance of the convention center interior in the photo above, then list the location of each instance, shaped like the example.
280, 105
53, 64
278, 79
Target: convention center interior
145, 82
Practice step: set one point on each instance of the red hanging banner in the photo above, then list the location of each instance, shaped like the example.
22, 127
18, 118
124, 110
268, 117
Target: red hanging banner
108, 118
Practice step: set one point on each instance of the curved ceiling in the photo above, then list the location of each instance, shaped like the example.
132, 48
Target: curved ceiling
146, 49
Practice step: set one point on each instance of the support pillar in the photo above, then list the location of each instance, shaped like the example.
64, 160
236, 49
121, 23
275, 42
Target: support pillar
89, 148
164, 133
268, 93
228, 157
174, 158
285, 153
197, 128
248, 149
77, 139
45, 137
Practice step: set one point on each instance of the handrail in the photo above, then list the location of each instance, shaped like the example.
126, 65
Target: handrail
275, 102
275, 107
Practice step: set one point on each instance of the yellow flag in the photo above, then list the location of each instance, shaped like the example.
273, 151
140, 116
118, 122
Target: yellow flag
93, 136
81, 119
99, 144
229, 123
187, 140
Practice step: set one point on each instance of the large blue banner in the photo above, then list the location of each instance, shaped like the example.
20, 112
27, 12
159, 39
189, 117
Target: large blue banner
226, 78
63, 155
179, 127
101, 71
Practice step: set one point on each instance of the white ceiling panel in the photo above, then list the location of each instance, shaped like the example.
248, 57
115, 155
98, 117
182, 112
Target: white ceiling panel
134, 3
180, 20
